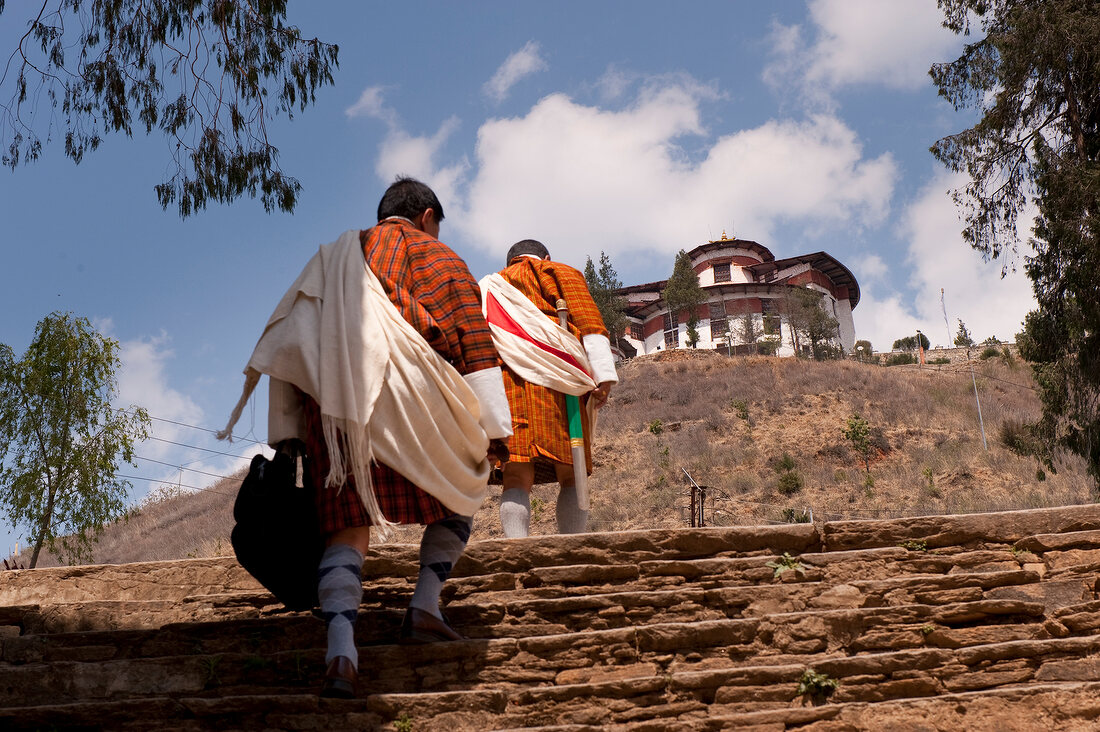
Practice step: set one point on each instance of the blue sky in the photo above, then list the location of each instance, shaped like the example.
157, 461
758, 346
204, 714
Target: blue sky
633, 128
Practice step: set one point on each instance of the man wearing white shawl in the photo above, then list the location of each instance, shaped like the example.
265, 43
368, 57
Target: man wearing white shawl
381, 362
542, 363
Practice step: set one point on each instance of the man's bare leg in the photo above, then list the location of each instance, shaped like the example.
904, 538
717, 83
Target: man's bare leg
571, 519
515, 499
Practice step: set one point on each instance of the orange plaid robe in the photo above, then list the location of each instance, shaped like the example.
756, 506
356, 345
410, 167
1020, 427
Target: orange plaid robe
539, 422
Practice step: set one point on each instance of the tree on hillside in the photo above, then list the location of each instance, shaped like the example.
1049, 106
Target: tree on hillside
748, 333
910, 343
1035, 78
963, 339
604, 286
683, 293
61, 440
209, 74
863, 349
810, 321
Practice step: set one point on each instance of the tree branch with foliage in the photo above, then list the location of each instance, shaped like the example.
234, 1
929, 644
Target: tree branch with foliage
209, 74
683, 293
1035, 79
61, 439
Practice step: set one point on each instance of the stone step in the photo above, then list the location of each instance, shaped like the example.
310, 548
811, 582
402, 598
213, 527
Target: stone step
188, 659
868, 577
750, 698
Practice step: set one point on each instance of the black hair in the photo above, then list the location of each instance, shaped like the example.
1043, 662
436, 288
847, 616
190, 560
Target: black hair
527, 246
408, 197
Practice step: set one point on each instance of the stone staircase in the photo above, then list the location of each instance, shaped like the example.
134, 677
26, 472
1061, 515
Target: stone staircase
978, 622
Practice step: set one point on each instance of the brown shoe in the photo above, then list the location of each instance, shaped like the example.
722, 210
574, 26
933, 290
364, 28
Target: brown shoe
423, 627
340, 679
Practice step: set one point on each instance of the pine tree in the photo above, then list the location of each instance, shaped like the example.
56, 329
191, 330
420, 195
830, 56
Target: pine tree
684, 294
604, 286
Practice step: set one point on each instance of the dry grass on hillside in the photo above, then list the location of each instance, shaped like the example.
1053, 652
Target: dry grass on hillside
739, 425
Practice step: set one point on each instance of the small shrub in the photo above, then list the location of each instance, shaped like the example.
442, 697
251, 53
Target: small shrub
840, 476
785, 464
914, 545
793, 516
537, 507
816, 687
657, 427
930, 484
927, 629
900, 359
790, 483
942, 360
786, 563
403, 723
741, 408
988, 353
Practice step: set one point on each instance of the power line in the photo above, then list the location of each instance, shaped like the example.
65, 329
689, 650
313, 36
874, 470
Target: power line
180, 467
196, 447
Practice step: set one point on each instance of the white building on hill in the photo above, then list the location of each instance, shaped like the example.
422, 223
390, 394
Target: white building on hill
742, 278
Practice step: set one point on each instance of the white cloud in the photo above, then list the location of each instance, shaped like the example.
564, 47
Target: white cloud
648, 177
372, 104
523, 62
973, 290
888, 42
870, 267
142, 382
405, 154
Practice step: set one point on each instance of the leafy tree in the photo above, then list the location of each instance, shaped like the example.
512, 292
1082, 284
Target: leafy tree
209, 74
604, 286
963, 338
61, 438
909, 343
1035, 79
809, 320
747, 331
863, 349
683, 292
858, 433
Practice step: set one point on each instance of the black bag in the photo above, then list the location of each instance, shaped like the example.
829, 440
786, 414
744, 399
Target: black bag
277, 537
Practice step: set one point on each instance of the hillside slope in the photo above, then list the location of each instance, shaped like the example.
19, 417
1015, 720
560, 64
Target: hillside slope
765, 435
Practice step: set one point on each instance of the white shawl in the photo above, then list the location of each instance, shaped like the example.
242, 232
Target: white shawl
384, 393
533, 345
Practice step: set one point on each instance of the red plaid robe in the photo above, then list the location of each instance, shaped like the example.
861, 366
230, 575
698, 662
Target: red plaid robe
539, 422
435, 292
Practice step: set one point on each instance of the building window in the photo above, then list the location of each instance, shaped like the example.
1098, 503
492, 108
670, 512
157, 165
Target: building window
672, 334
722, 272
718, 328
636, 332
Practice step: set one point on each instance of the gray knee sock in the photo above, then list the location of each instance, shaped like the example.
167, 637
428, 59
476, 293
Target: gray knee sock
441, 546
340, 590
515, 512
571, 519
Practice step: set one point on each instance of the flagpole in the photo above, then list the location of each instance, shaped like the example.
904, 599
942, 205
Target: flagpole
576, 429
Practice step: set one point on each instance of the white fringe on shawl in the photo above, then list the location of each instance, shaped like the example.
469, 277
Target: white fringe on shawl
384, 393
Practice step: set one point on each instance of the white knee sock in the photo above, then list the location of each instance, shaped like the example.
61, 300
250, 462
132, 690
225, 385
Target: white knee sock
440, 547
340, 590
515, 512
571, 519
